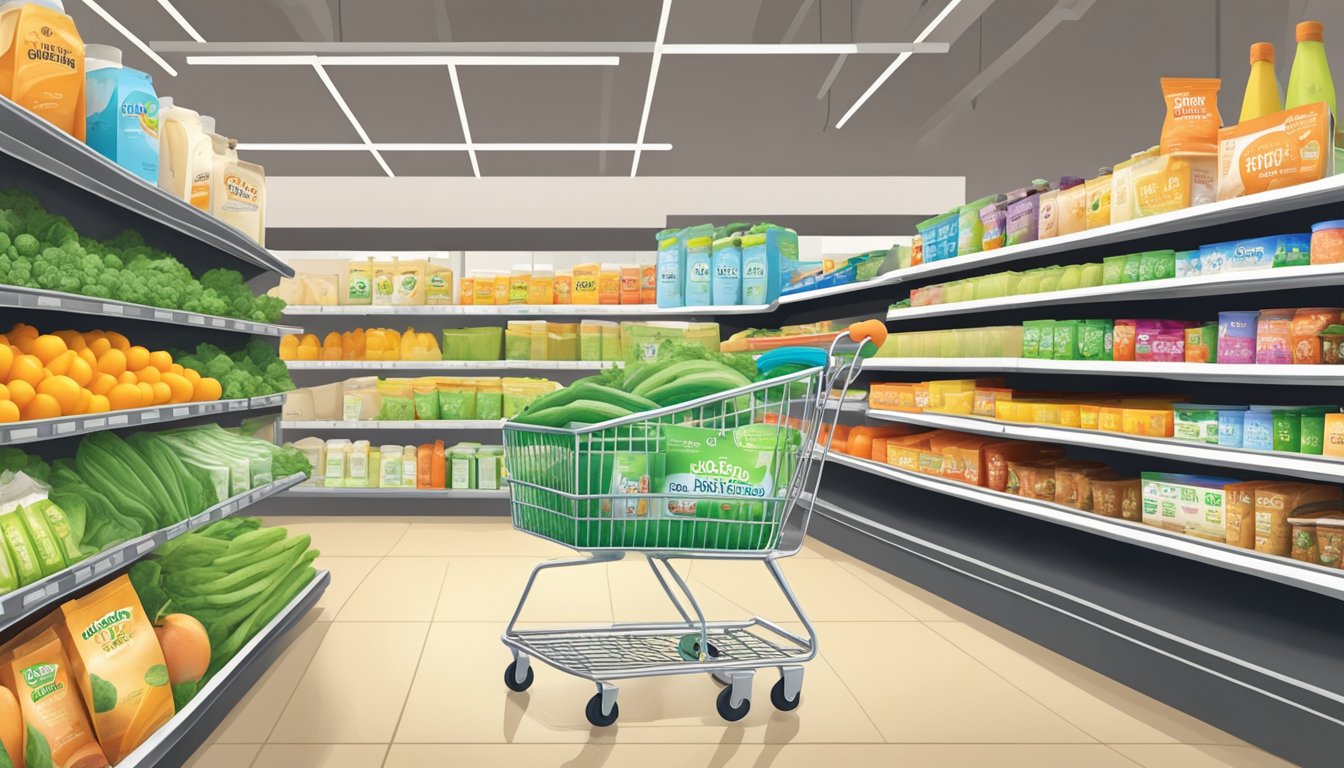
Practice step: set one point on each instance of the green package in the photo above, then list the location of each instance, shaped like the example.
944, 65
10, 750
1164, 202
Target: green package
1162, 264
1029, 282
1046, 346
1038, 339
1196, 426
1050, 278
1113, 269
426, 397
1095, 339
1133, 268
457, 403
1288, 431
20, 547
1313, 433
490, 405
1065, 340
45, 545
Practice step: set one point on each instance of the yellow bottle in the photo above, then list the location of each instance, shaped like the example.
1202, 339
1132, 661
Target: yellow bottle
1262, 89
467, 292
586, 279
543, 285
42, 63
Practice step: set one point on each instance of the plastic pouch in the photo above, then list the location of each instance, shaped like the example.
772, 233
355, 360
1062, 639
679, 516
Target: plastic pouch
396, 400
425, 393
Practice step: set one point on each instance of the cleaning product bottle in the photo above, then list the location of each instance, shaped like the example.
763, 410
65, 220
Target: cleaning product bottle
186, 155
671, 266
42, 63
122, 120
408, 466
238, 192
698, 243
1310, 80
726, 287
1262, 89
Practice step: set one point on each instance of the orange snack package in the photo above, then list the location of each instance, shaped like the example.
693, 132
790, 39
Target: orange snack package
57, 729
1192, 120
1275, 151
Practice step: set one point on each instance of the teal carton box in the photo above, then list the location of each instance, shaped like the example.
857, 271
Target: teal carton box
769, 259
121, 113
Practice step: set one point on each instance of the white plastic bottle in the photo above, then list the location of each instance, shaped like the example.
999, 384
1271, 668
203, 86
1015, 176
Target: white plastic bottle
408, 467
186, 154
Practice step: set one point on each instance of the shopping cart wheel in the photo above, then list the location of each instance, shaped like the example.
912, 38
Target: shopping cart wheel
726, 709
689, 648
594, 712
781, 702
511, 678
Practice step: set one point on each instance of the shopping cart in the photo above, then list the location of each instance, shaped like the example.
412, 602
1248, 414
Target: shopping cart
596, 489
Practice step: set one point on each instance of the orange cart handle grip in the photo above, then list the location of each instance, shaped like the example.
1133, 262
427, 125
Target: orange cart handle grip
868, 330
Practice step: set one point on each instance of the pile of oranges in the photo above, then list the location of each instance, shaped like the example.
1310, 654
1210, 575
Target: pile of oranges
68, 373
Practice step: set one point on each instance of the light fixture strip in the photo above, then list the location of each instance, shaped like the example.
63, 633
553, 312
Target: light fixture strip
393, 60
454, 147
653, 80
129, 35
895, 65
462, 116
350, 115
181, 21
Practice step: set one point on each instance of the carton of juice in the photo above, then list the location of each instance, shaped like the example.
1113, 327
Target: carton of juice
586, 288
42, 64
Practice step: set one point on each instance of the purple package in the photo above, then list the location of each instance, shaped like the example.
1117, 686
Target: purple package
1159, 341
1022, 219
1236, 337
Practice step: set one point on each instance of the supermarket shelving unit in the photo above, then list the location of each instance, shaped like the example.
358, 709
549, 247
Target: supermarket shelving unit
101, 200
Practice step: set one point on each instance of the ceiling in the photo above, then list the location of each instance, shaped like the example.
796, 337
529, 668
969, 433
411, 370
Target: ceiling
1078, 98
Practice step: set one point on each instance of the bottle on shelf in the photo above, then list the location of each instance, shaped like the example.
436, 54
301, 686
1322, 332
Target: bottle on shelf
1310, 81
186, 154
122, 112
42, 63
1262, 89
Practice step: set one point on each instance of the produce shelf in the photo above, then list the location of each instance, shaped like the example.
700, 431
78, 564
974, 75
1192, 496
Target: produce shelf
1315, 578
448, 365
1292, 464
266, 401
438, 424
39, 144
23, 602
20, 297
174, 743
1237, 210
37, 430
1250, 281
1290, 375
397, 493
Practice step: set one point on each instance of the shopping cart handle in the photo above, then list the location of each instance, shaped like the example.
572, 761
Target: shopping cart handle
810, 357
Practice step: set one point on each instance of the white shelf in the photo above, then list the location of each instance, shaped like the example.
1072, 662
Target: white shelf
449, 365
39, 144
399, 426
1297, 375
1276, 201
1250, 281
36, 430
1315, 578
1296, 465
20, 297
206, 709
23, 602
397, 493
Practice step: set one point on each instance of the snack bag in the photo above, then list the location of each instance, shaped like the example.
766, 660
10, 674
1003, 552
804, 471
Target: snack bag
57, 731
117, 660
1192, 120
1278, 150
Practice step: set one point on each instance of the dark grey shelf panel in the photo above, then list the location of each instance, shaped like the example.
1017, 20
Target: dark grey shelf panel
20, 297
37, 430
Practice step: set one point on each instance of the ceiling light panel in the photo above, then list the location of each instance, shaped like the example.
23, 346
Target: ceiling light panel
393, 60
354, 121
653, 81
129, 35
181, 20
462, 116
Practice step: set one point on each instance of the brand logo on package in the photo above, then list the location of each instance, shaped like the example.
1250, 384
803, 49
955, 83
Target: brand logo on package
111, 619
240, 190
41, 680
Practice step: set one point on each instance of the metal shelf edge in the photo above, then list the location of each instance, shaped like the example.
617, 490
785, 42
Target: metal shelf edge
37, 430
23, 297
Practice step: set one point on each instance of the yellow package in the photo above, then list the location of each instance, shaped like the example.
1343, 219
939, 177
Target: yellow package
1098, 200
116, 657
585, 287
484, 285
384, 282
438, 282
1170, 182
467, 290
57, 729
1275, 151
1122, 185
503, 283
410, 287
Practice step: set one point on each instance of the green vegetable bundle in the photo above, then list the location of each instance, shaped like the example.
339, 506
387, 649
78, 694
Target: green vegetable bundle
252, 371
42, 250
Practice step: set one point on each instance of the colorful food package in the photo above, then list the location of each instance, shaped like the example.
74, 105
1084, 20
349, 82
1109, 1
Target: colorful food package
116, 658
1170, 182
997, 457
58, 732
1275, 503
1305, 330
1239, 512
1275, 151
1120, 498
396, 400
1274, 337
1192, 120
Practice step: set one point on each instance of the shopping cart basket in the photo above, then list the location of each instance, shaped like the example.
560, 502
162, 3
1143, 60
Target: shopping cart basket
620, 486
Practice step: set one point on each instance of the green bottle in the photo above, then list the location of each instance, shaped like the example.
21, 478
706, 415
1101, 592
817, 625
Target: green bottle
1310, 80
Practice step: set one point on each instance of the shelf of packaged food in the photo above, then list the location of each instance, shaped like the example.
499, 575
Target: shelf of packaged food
36, 430
1292, 375
1297, 465
37, 143
20, 297
22, 602
1315, 578
1249, 281
202, 715
398, 493
449, 365
434, 424
1235, 211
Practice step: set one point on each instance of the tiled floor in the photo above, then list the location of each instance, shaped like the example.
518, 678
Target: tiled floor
401, 665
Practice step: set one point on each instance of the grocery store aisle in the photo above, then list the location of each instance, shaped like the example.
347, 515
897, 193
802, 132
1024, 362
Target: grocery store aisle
401, 666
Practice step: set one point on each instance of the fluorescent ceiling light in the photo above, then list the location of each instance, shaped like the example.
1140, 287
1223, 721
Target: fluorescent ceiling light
404, 61
653, 79
455, 147
462, 116
181, 21
129, 35
798, 49
349, 115
895, 65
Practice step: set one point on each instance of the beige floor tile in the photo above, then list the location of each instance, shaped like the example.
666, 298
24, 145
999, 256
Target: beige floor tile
321, 756
488, 588
474, 537
826, 591
354, 690
1108, 711
397, 589
921, 604
252, 721
347, 573
664, 710
1203, 756
918, 687
223, 756
636, 595
341, 537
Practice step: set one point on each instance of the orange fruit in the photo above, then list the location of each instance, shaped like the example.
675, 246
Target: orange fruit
49, 347
63, 389
41, 407
80, 371
23, 329
26, 368
148, 374
24, 344
112, 361
207, 389
124, 396
73, 339
87, 356
175, 368
126, 377
4, 392
102, 383
118, 341
137, 357
182, 389
99, 404
160, 359
99, 347
21, 392
85, 397
6, 360
61, 365
192, 375
162, 392
4, 338
92, 336
9, 412
146, 394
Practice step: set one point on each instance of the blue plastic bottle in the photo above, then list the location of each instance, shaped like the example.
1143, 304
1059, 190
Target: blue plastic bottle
727, 283
671, 266
122, 113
